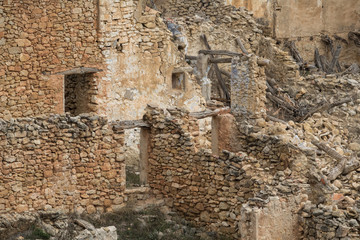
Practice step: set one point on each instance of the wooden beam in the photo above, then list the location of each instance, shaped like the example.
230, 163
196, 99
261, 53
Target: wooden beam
241, 45
336, 54
210, 113
216, 69
317, 60
339, 168
220, 52
294, 52
129, 124
212, 60
188, 57
327, 106
80, 70
182, 69
220, 60
223, 72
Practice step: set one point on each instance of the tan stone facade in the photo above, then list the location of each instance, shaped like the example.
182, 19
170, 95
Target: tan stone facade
249, 161
129, 44
60, 162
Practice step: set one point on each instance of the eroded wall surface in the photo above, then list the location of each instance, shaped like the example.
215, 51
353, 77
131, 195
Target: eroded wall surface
306, 17
139, 58
300, 18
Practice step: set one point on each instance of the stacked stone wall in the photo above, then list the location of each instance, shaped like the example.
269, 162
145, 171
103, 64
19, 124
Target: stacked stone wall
331, 222
61, 162
205, 188
38, 38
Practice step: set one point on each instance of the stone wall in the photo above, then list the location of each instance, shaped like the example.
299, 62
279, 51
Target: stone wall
61, 162
129, 42
331, 222
248, 86
38, 38
140, 58
211, 189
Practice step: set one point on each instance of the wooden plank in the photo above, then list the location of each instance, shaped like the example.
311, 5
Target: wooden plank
128, 124
210, 113
80, 70
220, 52
220, 60
227, 74
339, 168
327, 106
355, 36
324, 63
294, 52
192, 58
335, 59
241, 45
212, 60
317, 60
182, 69
216, 69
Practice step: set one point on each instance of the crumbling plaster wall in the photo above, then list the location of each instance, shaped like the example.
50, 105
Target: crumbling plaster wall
140, 58
332, 16
304, 20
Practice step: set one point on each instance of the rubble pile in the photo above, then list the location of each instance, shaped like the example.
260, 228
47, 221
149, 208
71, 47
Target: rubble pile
53, 225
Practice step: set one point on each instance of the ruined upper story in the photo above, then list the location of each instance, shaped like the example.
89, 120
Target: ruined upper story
108, 57
303, 18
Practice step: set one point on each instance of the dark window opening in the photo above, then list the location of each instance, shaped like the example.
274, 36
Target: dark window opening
79, 92
178, 81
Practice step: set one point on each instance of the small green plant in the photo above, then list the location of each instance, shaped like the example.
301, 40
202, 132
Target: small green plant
37, 233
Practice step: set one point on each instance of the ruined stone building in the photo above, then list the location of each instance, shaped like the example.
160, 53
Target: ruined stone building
234, 113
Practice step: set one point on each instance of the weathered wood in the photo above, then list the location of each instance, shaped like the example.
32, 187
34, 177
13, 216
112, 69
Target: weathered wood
227, 74
182, 69
354, 68
188, 57
355, 36
209, 113
80, 70
281, 103
220, 52
129, 124
216, 69
241, 45
212, 60
317, 60
336, 54
270, 89
339, 168
220, 60
324, 63
327, 40
327, 106
294, 52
